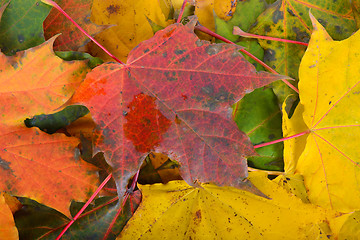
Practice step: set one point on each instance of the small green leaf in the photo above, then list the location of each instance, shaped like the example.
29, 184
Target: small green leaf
21, 25
259, 116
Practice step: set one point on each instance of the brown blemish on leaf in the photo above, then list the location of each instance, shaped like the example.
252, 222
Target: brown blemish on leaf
113, 9
5, 164
197, 217
278, 15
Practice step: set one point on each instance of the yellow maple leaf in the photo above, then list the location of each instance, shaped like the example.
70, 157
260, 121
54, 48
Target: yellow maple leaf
131, 26
328, 155
204, 10
179, 211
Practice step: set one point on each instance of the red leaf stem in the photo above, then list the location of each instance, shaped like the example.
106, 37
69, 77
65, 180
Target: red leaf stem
55, 5
238, 31
281, 140
181, 11
127, 194
85, 206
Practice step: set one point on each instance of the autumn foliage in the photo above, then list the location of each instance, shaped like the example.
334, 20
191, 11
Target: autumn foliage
184, 129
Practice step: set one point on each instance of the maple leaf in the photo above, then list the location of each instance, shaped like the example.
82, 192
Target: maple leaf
212, 212
288, 19
328, 156
35, 221
33, 163
71, 38
132, 25
174, 74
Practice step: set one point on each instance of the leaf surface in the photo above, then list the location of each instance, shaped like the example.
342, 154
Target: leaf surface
131, 25
259, 116
32, 163
179, 211
71, 38
36, 221
288, 19
21, 25
7, 224
329, 87
170, 98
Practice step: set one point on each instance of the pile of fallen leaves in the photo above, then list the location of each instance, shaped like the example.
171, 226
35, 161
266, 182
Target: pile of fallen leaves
186, 118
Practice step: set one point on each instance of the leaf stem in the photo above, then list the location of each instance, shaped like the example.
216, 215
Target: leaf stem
281, 140
181, 11
241, 33
127, 194
55, 5
211, 33
85, 206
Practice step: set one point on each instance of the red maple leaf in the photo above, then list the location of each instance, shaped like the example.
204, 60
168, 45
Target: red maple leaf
173, 96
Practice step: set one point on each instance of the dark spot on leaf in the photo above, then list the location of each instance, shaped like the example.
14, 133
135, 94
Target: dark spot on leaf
271, 136
21, 38
291, 12
171, 77
288, 179
164, 54
212, 49
37, 3
146, 50
113, 9
268, 42
338, 29
300, 36
267, 28
199, 43
197, 217
5, 164
329, 102
269, 55
14, 65
183, 59
208, 89
278, 15
179, 51
125, 113
323, 22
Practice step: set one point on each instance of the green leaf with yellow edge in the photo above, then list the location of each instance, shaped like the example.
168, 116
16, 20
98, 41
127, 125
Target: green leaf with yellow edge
178, 211
21, 25
7, 225
288, 19
329, 94
131, 25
